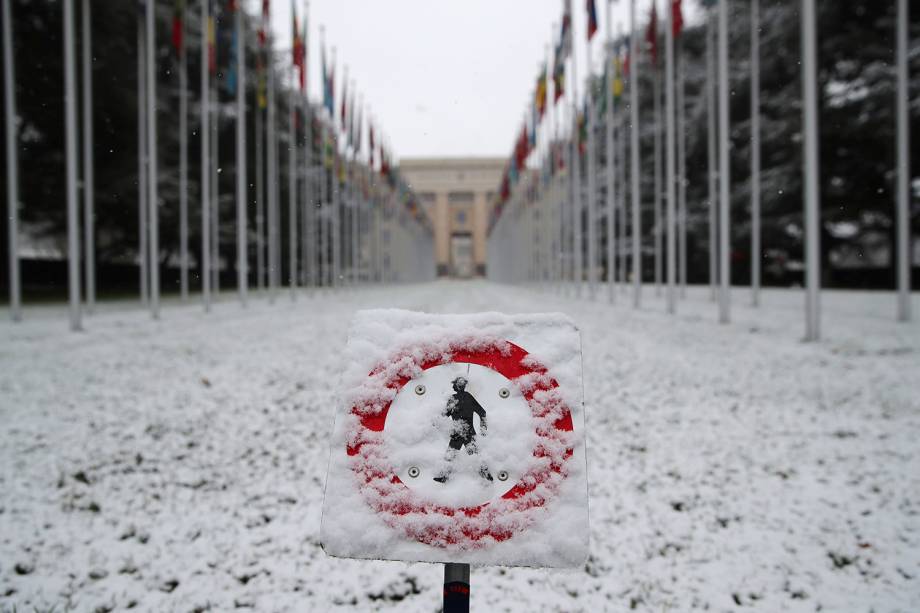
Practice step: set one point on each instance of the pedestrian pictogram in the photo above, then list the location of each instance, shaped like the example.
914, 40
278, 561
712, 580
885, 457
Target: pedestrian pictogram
461, 407
460, 438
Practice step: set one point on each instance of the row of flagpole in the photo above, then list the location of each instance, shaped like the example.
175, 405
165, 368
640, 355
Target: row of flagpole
381, 213
560, 260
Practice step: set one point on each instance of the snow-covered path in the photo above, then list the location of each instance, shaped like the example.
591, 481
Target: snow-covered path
178, 465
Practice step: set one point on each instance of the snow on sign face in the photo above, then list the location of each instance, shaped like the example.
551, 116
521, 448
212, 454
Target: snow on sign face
459, 438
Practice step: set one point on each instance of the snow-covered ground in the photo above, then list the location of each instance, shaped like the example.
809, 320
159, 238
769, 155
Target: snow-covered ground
178, 465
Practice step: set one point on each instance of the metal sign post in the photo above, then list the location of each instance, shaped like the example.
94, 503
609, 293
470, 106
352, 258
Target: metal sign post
456, 588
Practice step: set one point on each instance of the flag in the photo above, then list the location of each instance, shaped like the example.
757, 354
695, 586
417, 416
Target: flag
303, 55
582, 128
212, 47
297, 57
370, 138
350, 124
521, 148
651, 35
344, 99
617, 78
384, 162
328, 86
532, 133
266, 16
328, 149
358, 125
565, 36
541, 93
230, 76
339, 168
559, 73
592, 18
178, 26
677, 17
600, 93
261, 95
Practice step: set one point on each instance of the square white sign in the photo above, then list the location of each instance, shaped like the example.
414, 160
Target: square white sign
459, 438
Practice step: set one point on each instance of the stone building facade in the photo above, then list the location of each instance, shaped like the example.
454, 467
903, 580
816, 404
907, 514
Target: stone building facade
458, 195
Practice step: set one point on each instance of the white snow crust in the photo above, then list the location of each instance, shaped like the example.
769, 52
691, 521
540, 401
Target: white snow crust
179, 465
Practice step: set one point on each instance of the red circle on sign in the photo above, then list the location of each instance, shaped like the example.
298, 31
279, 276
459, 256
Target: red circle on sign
465, 527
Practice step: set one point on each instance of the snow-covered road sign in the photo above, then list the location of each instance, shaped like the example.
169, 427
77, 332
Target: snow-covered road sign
459, 438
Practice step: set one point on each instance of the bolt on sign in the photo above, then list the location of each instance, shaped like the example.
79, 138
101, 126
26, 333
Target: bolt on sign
459, 438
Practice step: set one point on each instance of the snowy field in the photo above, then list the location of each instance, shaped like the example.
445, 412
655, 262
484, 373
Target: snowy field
178, 465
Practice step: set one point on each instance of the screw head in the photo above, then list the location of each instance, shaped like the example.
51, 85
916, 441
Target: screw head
419, 389
503, 475
414, 472
504, 392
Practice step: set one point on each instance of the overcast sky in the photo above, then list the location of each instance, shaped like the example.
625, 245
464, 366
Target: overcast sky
445, 77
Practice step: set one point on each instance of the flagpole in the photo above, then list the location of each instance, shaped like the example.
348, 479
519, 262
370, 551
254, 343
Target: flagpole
305, 191
670, 178
271, 143
321, 229
903, 174
755, 153
309, 234
70, 110
152, 161
711, 134
811, 169
336, 195
611, 165
292, 194
143, 248
592, 178
242, 269
634, 142
260, 188
183, 164
12, 164
621, 196
205, 267
215, 191
659, 234
355, 225
681, 168
724, 176
557, 199
306, 227
89, 253
555, 208
577, 209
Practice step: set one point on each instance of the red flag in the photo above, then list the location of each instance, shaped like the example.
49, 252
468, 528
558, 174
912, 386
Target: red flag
177, 25
297, 49
266, 11
592, 18
651, 35
677, 17
626, 63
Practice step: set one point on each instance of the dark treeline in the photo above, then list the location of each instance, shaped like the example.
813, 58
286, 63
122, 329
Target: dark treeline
40, 104
857, 141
